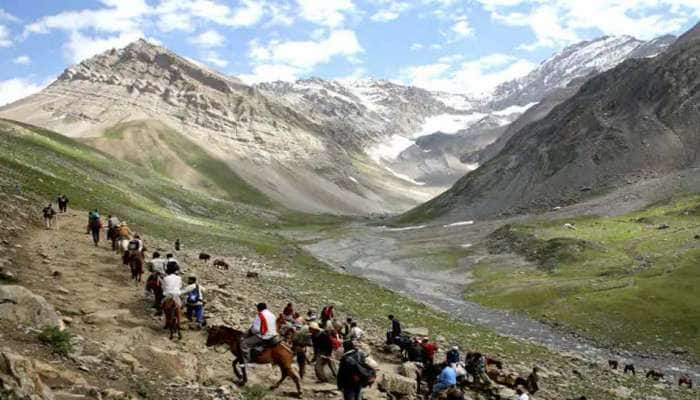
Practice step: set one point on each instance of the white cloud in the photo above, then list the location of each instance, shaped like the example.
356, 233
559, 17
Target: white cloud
210, 38
390, 11
80, 47
562, 22
6, 16
118, 16
5, 37
271, 73
179, 14
462, 29
307, 54
330, 13
416, 46
22, 60
474, 77
17, 88
213, 58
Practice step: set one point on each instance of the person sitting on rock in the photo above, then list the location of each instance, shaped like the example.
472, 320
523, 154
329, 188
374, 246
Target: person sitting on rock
263, 329
476, 367
446, 379
194, 301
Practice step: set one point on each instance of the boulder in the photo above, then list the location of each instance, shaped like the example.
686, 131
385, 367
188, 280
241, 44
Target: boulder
57, 378
504, 393
397, 385
174, 364
416, 331
621, 392
116, 317
19, 306
19, 376
408, 369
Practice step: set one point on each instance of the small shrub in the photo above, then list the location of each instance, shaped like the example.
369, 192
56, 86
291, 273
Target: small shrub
255, 392
58, 340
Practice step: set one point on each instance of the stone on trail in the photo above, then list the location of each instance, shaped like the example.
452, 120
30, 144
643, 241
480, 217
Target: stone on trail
23, 307
621, 392
408, 369
417, 331
20, 378
396, 384
117, 317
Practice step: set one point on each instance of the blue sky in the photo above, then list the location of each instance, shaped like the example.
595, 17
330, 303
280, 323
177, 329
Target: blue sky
461, 46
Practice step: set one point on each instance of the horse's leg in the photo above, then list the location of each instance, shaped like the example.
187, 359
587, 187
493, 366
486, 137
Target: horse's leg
283, 371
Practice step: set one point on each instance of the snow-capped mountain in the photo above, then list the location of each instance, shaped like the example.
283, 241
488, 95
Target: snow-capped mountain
579, 60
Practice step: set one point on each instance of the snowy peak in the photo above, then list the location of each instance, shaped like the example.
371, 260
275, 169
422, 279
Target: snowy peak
576, 61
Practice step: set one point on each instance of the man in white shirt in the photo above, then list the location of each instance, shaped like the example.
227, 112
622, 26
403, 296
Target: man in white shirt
158, 264
355, 332
264, 328
172, 285
522, 393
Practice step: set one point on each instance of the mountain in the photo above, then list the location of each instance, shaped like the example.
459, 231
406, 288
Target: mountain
300, 154
624, 126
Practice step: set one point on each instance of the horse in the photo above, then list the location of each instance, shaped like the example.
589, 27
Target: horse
135, 264
655, 375
154, 285
123, 245
613, 364
685, 380
204, 257
280, 355
630, 368
222, 264
172, 317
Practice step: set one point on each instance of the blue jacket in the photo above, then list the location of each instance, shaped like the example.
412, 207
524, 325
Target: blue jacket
447, 377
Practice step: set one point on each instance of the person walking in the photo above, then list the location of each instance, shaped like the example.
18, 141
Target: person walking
62, 203
194, 302
94, 226
356, 371
49, 216
394, 332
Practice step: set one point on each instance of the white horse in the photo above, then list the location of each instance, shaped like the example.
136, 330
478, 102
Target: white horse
123, 246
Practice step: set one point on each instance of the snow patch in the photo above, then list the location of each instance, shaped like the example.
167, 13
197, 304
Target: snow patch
514, 110
448, 123
404, 177
407, 228
466, 245
353, 179
461, 223
389, 149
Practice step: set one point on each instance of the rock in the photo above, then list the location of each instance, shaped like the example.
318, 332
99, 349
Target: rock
56, 274
663, 226
397, 385
18, 375
252, 275
172, 363
392, 348
416, 331
22, 307
104, 317
622, 392
505, 393
408, 369
57, 377
113, 394
7, 276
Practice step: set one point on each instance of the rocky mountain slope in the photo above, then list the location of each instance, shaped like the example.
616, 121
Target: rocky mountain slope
292, 155
112, 348
634, 122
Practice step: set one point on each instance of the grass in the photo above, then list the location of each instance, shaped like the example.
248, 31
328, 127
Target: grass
624, 281
45, 164
58, 340
255, 392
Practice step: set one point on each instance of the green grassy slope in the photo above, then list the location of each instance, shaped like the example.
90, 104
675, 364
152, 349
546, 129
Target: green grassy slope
45, 164
622, 279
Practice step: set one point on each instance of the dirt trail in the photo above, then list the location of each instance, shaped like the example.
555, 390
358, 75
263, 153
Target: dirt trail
120, 343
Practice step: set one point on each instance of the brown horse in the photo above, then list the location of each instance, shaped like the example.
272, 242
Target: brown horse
135, 264
172, 317
280, 355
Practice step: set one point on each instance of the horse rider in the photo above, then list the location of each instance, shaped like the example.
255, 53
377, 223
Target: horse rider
157, 268
194, 301
123, 232
172, 284
263, 329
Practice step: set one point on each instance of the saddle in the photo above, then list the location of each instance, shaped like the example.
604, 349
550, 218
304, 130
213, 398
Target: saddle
260, 348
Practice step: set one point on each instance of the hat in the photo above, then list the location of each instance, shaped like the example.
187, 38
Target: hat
455, 348
314, 327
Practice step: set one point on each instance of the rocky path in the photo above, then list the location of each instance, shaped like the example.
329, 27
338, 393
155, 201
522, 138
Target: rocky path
371, 252
120, 344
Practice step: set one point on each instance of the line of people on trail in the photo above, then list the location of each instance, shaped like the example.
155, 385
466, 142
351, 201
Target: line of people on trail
453, 372
49, 213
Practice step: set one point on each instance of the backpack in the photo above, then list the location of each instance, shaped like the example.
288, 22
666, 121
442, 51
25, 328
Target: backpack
133, 245
359, 371
326, 313
193, 296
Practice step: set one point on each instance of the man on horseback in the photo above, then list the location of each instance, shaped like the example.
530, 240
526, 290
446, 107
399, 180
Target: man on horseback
155, 281
264, 328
